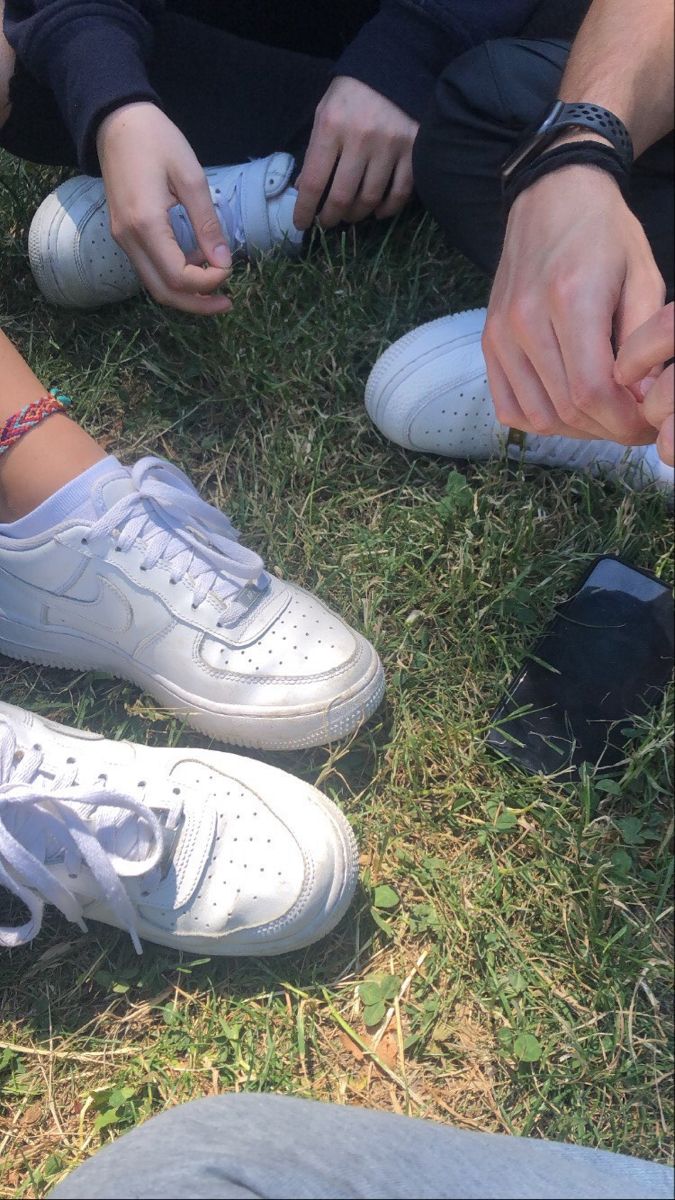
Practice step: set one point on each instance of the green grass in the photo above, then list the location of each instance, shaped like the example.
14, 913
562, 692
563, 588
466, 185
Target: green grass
521, 920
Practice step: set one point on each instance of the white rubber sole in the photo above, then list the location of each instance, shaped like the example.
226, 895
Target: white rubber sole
262, 730
395, 370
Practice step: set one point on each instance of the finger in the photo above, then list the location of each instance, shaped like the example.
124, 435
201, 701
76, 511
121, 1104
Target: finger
510, 414
539, 413
583, 327
521, 400
647, 347
543, 352
195, 302
161, 251
665, 442
194, 195
400, 191
376, 178
346, 184
312, 181
659, 402
509, 411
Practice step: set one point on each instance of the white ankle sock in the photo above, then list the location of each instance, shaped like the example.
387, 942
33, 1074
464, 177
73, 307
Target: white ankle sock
72, 500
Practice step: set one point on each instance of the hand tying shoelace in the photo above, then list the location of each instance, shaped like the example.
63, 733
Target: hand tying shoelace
228, 205
180, 528
92, 837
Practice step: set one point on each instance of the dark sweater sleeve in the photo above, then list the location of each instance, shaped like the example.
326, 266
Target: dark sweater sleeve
92, 55
403, 49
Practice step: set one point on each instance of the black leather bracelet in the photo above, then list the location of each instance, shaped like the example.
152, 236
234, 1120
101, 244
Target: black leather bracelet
591, 154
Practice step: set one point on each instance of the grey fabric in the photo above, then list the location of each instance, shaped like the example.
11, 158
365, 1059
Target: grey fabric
253, 1146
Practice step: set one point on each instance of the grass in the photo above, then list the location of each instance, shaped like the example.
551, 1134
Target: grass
515, 933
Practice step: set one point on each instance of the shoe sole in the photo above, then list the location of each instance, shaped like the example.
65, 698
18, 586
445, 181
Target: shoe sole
43, 249
268, 731
405, 357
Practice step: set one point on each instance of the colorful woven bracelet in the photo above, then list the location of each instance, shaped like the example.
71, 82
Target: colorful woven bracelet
31, 415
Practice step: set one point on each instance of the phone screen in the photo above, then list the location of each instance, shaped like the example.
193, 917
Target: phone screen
607, 656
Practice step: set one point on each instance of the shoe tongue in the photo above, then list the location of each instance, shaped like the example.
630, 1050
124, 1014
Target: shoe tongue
110, 489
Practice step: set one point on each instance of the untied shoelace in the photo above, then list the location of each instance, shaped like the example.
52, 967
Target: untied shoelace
194, 537
52, 825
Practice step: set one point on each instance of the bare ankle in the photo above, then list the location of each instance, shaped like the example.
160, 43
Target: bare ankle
44, 461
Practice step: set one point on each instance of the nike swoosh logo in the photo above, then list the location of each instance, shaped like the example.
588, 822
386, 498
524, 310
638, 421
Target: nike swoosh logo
109, 612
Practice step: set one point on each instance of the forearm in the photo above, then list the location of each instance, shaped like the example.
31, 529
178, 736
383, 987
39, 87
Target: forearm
91, 53
622, 59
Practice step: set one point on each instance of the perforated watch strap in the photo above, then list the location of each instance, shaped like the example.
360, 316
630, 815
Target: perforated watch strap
600, 120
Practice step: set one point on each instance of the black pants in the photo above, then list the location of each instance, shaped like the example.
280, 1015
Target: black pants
483, 102
240, 78
234, 97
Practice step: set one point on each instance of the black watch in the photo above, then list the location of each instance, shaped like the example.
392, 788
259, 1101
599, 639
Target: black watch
570, 116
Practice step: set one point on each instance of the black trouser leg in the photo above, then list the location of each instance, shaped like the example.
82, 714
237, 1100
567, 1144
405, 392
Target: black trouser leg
311, 27
233, 99
483, 103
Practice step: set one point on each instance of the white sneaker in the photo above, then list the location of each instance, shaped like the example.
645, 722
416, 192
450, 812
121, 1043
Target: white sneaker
193, 849
156, 589
77, 264
429, 391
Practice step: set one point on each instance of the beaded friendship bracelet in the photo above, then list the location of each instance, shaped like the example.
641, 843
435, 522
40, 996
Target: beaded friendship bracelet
31, 415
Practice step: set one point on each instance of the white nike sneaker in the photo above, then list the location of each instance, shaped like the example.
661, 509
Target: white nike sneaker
429, 391
156, 589
77, 264
194, 849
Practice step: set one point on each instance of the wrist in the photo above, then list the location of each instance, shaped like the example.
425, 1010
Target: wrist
575, 185
119, 119
603, 160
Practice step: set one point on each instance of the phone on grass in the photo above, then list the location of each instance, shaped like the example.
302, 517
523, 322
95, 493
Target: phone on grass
606, 657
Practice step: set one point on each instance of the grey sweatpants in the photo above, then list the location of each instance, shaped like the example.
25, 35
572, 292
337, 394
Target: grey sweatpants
277, 1146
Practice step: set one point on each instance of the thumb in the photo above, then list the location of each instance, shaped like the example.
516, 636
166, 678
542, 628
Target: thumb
196, 199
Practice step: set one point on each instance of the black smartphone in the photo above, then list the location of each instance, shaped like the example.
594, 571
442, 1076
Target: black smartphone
606, 656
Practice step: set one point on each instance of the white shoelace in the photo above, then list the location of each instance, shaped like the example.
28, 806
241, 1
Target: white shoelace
65, 823
180, 528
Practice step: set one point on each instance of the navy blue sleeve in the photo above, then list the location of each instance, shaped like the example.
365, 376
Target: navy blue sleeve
403, 49
92, 55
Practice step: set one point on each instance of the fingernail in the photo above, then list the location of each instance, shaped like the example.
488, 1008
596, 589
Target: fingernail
221, 255
645, 384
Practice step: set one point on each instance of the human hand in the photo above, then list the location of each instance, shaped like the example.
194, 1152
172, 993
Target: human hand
576, 271
639, 366
367, 140
148, 166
